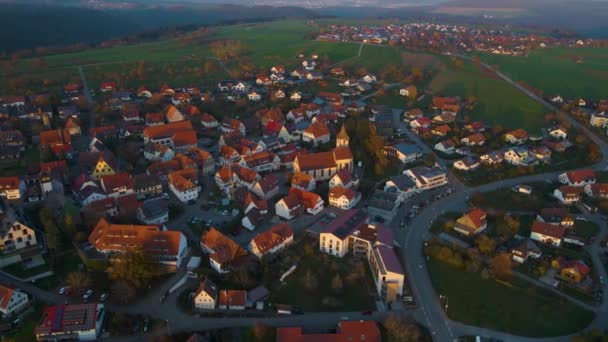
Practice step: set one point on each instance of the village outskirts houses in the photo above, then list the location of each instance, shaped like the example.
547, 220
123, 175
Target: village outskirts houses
547, 233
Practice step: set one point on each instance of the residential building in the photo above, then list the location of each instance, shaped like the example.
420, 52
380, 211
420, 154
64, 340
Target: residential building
12, 301
598, 119
556, 216
383, 205
427, 178
232, 300
491, 158
267, 187
317, 133
405, 152
16, 237
476, 139
526, 249
578, 178
572, 271
367, 331
517, 137
184, 184
467, 164
80, 322
303, 181
179, 135
343, 198
146, 185
472, 223
446, 146
117, 185
597, 190
312, 203
350, 233
166, 247
520, 156
289, 206
10, 188
205, 297
154, 211
547, 233
568, 194
271, 241
345, 179
558, 132
224, 253
402, 185
263, 161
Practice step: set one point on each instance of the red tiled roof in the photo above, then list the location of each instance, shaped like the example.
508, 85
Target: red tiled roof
269, 239
581, 175
224, 249
232, 298
117, 181
551, 230
317, 129
338, 191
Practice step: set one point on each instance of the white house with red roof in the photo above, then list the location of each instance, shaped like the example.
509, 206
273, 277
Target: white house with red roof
472, 223
271, 241
12, 301
343, 178
120, 184
597, 190
209, 121
577, 178
568, 194
547, 233
343, 198
317, 133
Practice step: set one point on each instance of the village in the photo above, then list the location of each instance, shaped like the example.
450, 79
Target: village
287, 200
442, 37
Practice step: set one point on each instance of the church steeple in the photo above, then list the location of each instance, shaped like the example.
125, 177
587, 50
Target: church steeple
342, 138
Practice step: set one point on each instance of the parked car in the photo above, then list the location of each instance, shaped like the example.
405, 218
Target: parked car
87, 294
65, 290
103, 297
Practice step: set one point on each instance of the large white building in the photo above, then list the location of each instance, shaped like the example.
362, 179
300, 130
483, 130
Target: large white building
350, 233
77, 322
427, 178
12, 300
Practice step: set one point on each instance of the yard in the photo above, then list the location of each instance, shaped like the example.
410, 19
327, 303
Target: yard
311, 290
583, 72
519, 309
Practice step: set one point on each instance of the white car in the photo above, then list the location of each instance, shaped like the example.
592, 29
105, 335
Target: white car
103, 297
64, 290
420, 266
88, 293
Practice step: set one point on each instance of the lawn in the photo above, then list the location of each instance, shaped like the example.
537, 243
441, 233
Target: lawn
497, 102
556, 71
521, 309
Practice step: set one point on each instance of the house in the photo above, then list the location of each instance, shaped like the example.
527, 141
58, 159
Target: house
184, 184
10, 188
383, 205
404, 92
476, 139
446, 146
367, 331
368, 78
232, 125
224, 253
475, 127
205, 298
144, 185
57, 140
117, 185
323, 165
467, 164
271, 241
343, 198
106, 87
526, 249
154, 119
557, 99
578, 178
303, 181
547, 233
472, 223
80, 322
209, 121
179, 136
572, 271
420, 122
350, 232
491, 158
263, 161
412, 114
597, 190
343, 178
446, 104
519, 156
73, 126
317, 133
289, 206
12, 301
405, 152
401, 185
142, 92
165, 247
599, 119
556, 216
267, 187
296, 96
558, 133
568, 194
203, 159
232, 300
331, 98
427, 178
517, 137
153, 211
174, 115
277, 69
16, 238
254, 96
441, 130
541, 153
312, 203
444, 118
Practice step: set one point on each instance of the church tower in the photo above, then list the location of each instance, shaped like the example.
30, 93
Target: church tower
342, 138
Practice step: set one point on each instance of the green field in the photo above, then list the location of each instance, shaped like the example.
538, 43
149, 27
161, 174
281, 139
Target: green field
497, 102
556, 71
521, 309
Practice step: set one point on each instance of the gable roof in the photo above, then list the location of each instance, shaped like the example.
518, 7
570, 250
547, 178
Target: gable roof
225, 250
232, 298
578, 176
273, 237
547, 229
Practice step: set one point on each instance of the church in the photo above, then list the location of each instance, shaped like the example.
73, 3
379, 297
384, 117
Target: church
324, 165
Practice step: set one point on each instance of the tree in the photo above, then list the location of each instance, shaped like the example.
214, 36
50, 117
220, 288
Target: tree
310, 281
51, 233
429, 159
78, 281
261, 332
123, 291
336, 283
501, 266
486, 245
401, 328
69, 228
134, 267
510, 227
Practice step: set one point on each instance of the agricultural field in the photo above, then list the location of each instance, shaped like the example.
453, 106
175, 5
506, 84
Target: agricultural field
497, 102
569, 72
